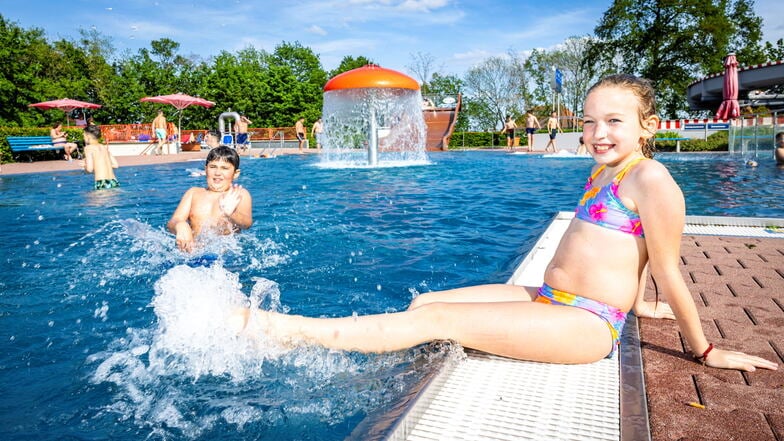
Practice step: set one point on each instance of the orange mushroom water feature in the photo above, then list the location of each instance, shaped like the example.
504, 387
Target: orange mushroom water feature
372, 117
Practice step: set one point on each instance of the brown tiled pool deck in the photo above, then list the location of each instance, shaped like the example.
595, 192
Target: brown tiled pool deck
738, 286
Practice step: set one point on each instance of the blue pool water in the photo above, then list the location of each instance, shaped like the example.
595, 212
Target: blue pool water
104, 334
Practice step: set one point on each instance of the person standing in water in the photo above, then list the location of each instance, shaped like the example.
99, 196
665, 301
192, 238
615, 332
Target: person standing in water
631, 205
316, 132
222, 207
99, 160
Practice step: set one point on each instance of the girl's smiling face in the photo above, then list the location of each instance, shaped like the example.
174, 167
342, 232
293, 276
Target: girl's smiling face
612, 128
220, 175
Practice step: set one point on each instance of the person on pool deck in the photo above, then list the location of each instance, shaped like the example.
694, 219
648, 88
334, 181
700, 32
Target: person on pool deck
779, 153
509, 127
159, 131
553, 127
241, 128
59, 139
631, 205
222, 207
299, 128
531, 124
99, 160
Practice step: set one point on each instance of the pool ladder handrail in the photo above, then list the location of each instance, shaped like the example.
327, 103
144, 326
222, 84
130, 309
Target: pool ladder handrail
279, 133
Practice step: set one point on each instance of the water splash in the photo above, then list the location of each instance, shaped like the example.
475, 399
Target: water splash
356, 119
190, 373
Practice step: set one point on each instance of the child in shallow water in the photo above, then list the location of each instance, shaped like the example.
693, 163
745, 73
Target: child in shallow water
222, 207
99, 160
631, 206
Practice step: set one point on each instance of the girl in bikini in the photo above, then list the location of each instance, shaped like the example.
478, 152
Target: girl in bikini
631, 206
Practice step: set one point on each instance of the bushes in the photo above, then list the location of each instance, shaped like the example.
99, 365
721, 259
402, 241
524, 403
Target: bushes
717, 142
482, 139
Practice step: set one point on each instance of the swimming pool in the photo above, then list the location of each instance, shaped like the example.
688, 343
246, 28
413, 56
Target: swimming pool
104, 335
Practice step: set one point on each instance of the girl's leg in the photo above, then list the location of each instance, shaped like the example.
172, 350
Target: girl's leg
481, 293
523, 330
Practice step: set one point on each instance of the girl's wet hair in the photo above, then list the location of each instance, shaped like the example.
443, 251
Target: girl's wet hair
224, 153
646, 100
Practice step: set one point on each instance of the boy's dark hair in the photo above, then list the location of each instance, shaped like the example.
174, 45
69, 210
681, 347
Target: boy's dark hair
214, 133
93, 131
779, 137
224, 153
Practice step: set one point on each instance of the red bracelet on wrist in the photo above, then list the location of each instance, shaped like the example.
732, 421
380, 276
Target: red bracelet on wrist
704, 356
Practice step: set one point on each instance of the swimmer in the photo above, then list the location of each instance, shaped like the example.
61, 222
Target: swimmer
222, 207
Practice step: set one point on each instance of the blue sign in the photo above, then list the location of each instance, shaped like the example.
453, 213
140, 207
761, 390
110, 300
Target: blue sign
558, 80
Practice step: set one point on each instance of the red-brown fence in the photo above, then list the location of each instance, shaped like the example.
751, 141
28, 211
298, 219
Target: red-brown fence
143, 132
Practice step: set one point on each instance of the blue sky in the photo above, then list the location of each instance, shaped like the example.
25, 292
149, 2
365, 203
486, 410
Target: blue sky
457, 33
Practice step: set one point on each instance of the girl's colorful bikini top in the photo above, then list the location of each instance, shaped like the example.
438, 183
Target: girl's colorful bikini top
601, 205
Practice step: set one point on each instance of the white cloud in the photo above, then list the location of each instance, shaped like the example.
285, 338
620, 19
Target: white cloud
316, 29
422, 5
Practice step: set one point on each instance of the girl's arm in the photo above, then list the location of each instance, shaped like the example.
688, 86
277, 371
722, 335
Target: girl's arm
662, 210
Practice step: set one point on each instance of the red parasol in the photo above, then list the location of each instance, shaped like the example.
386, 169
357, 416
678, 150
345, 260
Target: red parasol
66, 105
729, 108
179, 101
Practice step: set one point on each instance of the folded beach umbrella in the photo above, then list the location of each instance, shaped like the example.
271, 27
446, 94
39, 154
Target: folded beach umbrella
179, 101
729, 108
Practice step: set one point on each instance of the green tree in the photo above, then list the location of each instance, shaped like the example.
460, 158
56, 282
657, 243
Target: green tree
24, 54
775, 52
298, 79
348, 63
674, 42
449, 85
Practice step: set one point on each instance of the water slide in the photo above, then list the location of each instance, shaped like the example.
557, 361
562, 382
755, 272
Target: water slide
440, 122
707, 93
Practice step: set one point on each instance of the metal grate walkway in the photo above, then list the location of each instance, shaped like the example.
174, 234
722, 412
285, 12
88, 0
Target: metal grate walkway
485, 397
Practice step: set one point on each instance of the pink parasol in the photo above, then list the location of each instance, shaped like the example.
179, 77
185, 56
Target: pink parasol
729, 108
66, 105
179, 101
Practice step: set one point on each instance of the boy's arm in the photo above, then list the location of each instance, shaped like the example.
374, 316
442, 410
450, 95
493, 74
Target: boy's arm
179, 225
112, 158
89, 161
237, 206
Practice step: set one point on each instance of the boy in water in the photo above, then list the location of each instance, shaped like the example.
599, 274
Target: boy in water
222, 207
98, 159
